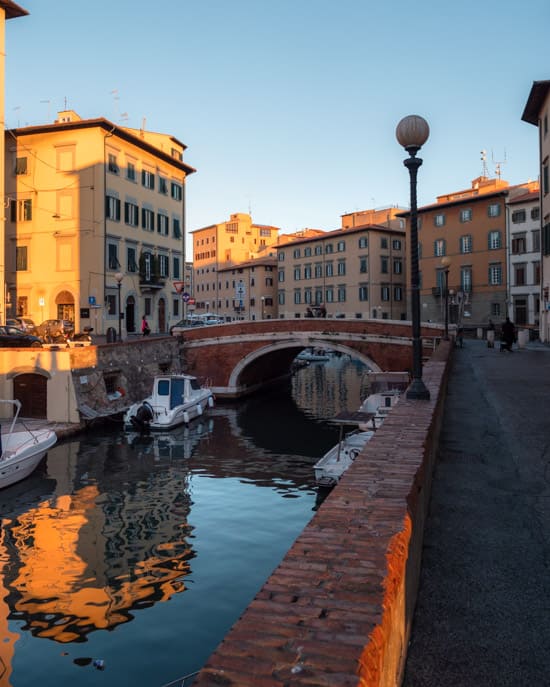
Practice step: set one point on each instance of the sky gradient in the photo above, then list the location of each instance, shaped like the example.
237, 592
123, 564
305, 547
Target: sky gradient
289, 108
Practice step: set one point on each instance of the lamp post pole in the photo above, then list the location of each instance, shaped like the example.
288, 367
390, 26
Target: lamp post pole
263, 304
446, 263
412, 132
119, 277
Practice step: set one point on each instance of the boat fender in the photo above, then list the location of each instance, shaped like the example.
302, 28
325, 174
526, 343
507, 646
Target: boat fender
199, 409
354, 453
186, 417
211, 401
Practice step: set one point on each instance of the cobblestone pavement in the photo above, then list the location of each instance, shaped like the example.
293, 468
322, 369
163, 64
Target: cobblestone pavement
482, 616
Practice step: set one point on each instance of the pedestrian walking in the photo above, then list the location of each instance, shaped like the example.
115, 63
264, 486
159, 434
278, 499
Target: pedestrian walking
491, 334
145, 330
508, 336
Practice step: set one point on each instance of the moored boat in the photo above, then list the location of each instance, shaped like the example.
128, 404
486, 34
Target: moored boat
176, 399
21, 451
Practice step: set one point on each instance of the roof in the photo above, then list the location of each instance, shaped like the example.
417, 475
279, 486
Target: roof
528, 196
339, 233
537, 96
101, 122
459, 201
12, 10
265, 260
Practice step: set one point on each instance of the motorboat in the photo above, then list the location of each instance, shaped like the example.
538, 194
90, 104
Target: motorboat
330, 468
386, 388
22, 450
176, 399
313, 355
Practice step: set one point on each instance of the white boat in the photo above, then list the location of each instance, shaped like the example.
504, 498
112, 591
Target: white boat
337, 460
176, 399
313, 355
377, 406
22, 450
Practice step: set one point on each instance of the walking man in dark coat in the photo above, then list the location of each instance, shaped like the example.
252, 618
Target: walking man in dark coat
508, 336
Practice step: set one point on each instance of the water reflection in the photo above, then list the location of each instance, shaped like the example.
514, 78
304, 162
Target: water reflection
102, 530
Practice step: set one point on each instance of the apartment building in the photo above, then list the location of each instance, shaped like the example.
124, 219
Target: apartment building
537, 112
222, 246
8, 10
462, 238
95, 223
356, 272
248, 291
524, 258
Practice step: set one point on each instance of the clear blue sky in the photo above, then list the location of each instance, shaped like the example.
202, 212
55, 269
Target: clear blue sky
289, 108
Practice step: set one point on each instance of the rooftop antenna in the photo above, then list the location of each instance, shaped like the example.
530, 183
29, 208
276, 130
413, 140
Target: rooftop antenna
498, 164
114, 93
484, 170
124, 117
17, 109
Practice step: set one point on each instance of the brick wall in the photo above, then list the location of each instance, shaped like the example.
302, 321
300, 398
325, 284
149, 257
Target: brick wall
338, 609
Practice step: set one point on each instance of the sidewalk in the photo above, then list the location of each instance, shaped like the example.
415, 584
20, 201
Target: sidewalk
483, 611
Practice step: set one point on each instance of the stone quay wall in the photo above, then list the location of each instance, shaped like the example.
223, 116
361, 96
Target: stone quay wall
338, 609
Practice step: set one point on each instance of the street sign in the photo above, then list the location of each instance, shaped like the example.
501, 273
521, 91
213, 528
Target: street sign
185, 297
91, 300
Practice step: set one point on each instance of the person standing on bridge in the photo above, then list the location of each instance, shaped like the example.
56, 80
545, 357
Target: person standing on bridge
145, 330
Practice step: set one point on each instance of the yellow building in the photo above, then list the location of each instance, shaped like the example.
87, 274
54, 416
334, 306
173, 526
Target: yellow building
248, 291
220, 246
95, 224
8, 10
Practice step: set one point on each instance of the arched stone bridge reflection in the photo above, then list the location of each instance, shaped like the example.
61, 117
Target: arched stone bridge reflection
239, 357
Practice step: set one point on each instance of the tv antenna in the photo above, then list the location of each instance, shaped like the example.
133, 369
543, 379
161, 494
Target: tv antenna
484, 170
498, 164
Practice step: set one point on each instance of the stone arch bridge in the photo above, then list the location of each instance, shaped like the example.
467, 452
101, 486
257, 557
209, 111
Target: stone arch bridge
238, 358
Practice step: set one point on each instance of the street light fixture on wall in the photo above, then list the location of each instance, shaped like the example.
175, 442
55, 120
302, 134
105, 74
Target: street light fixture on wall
119, 277
412, 132
446, 263
263, 306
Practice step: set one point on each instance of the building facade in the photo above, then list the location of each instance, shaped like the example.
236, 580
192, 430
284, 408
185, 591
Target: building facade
537, 112
248, 291
95, 224
463, 256
524, 258
222, 246
357, 272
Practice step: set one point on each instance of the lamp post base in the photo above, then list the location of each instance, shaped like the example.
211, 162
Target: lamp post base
418, 391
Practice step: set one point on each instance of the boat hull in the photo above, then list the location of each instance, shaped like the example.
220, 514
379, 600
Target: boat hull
163, 419
330, 468
21, 454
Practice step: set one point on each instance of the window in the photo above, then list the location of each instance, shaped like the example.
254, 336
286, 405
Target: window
439, 220
176, 228
131, 214
307, 252
536, 273
112, 209
495, 274
363, 242
296, 253
131, 172
21, 263
112, 164
341, 267
176, 267
21, 165
535, 213
493, 210
162, 224
297, 297
21, 210
147, 219
363, 292
519, 216
163, 266
281, 276
176, 307
465, 243
385, 293
281, 297
466, 279
341, 246
495, 309
465, 215
398, 266
281, 257
111, 304
519, 274
341, 294
519, 244
112, 256
297, 273
536, 240
147, 179
307, 271
318, 269
439, 247
397, 293
163, 186
176, 191
494, 240
319, 249
131, 261
329, 295
329, 269
383, 242
328, 248
396, 244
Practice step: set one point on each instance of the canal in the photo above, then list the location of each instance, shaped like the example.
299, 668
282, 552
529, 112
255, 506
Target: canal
126, 559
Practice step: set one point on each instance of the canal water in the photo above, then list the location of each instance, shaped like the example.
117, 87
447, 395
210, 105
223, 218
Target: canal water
126, 559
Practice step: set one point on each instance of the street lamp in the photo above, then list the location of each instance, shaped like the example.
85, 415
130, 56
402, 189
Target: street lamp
119, 277
446, 262
263, 304
412, 132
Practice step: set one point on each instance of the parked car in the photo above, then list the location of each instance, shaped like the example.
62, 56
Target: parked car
55, 331
12, 337
185, 324
23, 323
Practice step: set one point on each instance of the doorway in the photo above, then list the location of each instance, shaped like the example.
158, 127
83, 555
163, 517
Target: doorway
130, 315
31, 390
